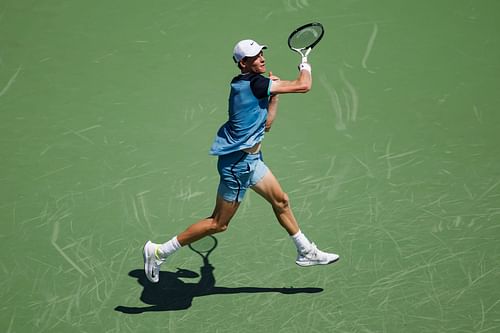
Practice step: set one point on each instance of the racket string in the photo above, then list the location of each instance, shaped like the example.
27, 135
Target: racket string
306, 36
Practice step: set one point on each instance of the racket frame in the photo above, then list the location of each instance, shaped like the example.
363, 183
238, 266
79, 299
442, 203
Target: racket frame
304, 51
205, 254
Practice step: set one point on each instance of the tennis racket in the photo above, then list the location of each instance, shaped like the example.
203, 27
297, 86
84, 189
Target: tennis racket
304, 38
204, 247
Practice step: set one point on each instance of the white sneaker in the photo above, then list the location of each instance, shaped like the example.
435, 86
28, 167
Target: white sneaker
152, 262
316, 257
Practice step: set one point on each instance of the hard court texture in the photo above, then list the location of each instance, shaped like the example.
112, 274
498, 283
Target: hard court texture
392, 160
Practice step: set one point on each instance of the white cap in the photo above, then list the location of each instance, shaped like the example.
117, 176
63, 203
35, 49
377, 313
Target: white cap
247, 48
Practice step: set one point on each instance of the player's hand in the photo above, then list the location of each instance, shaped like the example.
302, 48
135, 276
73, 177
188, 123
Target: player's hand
273, 77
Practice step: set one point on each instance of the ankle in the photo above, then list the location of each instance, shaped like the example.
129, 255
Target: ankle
168, 248
301, 242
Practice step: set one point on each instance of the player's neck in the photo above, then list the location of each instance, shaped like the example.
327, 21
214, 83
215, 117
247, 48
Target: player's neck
247, 72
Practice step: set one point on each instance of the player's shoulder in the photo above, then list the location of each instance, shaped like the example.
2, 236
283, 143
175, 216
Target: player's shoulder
250, 77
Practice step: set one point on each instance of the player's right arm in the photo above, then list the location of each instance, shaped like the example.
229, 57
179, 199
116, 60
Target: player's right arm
302, 84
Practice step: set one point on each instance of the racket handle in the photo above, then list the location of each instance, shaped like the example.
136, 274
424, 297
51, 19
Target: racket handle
304, 56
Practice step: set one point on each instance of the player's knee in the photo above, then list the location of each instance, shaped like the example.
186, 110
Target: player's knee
222, 228
216, 226
282, 203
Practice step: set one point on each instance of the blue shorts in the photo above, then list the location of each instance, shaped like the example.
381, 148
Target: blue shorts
238, 171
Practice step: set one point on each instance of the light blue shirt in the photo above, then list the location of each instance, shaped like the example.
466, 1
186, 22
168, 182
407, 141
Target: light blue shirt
248, 104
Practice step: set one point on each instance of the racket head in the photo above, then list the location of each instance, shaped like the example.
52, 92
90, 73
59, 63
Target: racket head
306, 36
204, 246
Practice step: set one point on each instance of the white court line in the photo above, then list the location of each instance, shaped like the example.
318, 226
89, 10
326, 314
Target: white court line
369, 47
55, 235
11, 81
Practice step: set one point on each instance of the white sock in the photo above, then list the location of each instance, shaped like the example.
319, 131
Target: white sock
301, 242
168, 248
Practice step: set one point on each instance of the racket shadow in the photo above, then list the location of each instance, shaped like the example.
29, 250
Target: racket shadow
172, 293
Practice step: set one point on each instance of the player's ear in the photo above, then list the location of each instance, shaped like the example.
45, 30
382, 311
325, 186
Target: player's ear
242, 64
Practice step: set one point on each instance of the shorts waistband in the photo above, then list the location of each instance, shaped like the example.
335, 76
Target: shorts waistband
253, 150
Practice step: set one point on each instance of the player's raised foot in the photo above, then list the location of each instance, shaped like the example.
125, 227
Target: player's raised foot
316, 257
152, 262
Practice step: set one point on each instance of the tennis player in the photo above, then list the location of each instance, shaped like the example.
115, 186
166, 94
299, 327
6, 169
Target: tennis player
253, 102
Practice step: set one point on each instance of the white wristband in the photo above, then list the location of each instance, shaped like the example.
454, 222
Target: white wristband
305, 66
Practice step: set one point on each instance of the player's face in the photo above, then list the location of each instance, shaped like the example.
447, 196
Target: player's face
256, 64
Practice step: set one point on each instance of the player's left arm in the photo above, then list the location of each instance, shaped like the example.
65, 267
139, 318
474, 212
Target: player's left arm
273, 105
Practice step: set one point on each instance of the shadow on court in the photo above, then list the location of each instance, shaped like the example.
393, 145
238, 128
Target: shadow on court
171, 293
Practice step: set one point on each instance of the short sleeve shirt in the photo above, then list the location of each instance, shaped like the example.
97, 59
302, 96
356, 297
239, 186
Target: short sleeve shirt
248, 104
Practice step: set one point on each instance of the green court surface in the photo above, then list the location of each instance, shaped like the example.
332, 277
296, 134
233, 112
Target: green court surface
392, 160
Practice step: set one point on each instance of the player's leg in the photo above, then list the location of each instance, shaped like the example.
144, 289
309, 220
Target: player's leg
270, 189
308, 254
217, 222
234, 180
155, 254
